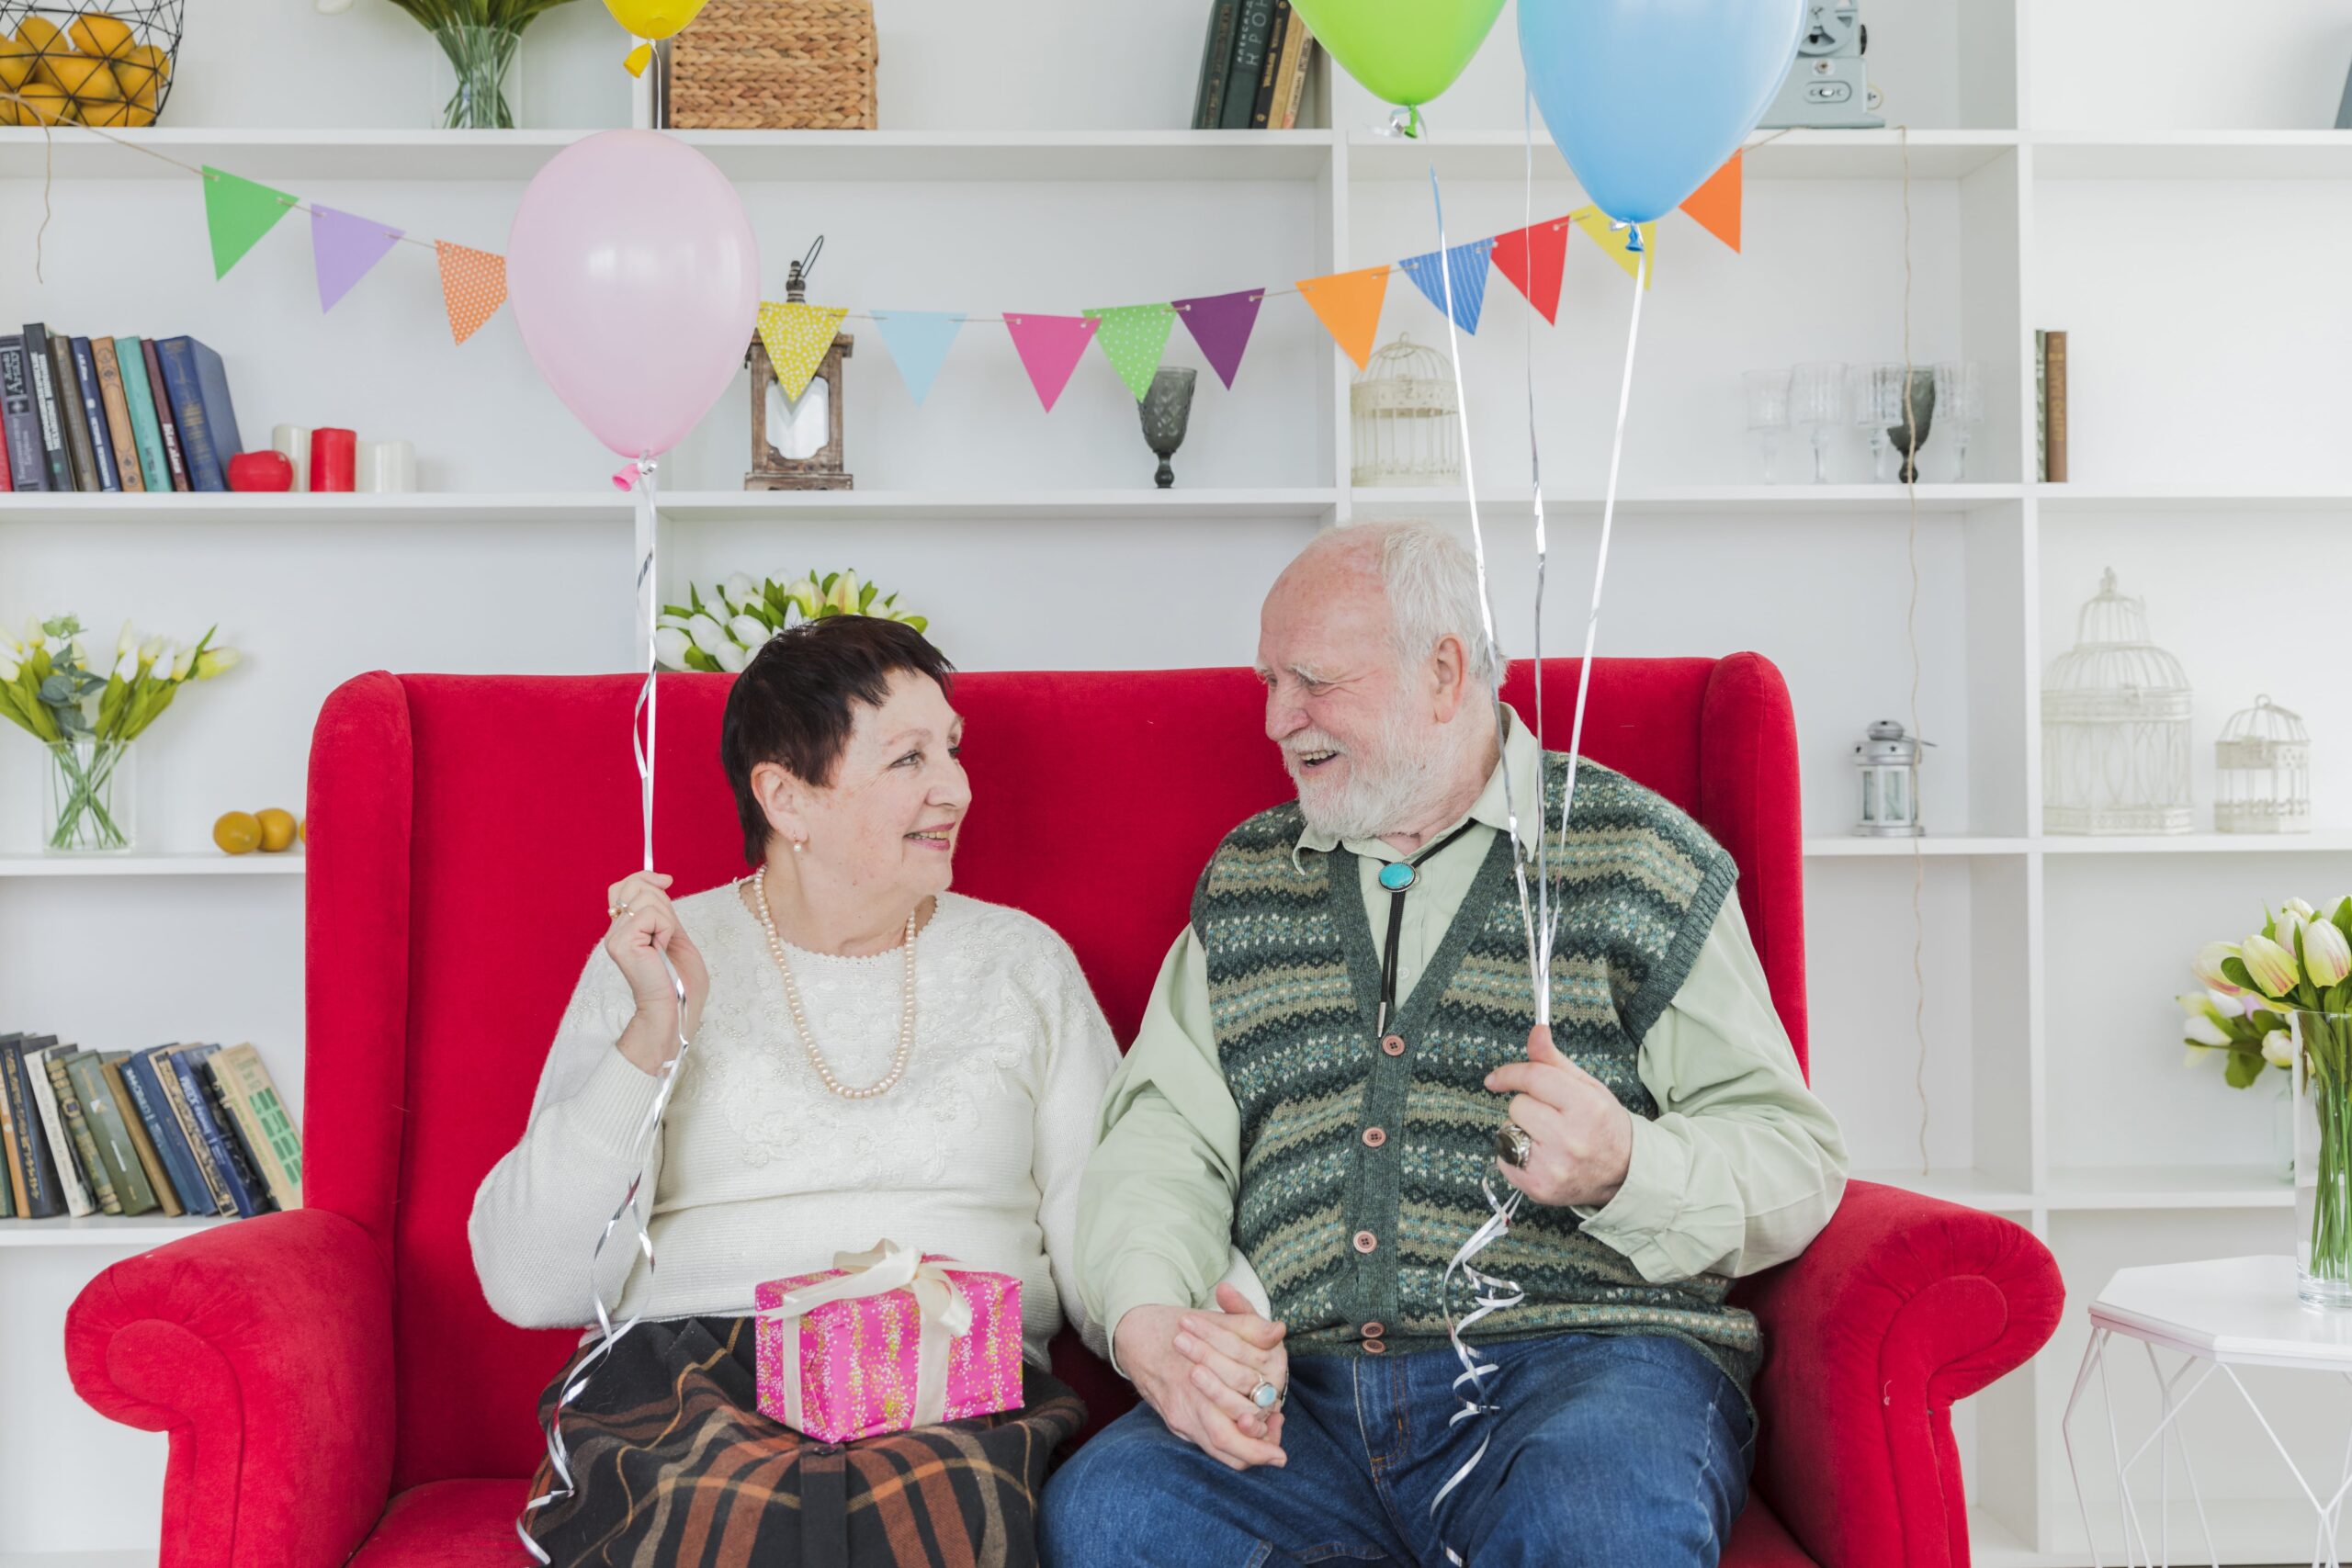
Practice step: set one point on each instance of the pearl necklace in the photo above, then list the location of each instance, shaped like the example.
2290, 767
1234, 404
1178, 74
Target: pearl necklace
888, 1080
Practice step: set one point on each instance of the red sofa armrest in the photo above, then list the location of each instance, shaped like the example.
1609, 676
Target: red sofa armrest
1901, 1307
263, 1348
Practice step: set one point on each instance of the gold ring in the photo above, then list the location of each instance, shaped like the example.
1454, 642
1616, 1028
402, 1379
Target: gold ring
614, 911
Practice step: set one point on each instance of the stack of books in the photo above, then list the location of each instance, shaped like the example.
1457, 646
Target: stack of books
2050, 411
113, 413
179, 1129
1253, 67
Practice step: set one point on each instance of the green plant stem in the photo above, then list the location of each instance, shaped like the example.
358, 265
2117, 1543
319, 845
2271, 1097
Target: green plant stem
2327, 1065
87, 797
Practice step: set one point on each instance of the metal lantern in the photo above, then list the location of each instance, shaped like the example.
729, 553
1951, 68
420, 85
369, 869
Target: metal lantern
1403, 418
797, 442
2114, 726
1889, 762
2263, 762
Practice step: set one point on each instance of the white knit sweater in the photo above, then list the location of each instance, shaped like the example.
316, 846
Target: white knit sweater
759, 1172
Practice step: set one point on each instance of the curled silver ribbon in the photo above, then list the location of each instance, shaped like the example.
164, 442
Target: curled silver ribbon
639, 477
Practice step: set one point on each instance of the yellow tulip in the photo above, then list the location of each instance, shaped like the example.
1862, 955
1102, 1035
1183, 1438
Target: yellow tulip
2272, 967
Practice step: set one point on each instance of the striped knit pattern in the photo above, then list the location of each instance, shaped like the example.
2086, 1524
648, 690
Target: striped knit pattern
1294, 988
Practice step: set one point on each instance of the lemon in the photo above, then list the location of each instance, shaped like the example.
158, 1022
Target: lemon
237, 832
83, 79
48, 103
15, 64
95, 32
116, 112
302, 829
156, 62
41, 33
277, 828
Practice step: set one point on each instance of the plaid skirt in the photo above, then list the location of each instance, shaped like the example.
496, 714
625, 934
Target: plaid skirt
673, 1464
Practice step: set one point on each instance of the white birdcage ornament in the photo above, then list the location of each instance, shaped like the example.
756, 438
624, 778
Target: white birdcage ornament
1403, 418
2115, 727
2263, 771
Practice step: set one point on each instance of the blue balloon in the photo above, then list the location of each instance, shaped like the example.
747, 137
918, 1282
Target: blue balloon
1645, 98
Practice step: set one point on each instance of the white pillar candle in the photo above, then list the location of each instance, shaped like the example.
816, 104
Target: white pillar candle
386, 467
294, 442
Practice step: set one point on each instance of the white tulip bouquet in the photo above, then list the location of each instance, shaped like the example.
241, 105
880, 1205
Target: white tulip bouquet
721, 633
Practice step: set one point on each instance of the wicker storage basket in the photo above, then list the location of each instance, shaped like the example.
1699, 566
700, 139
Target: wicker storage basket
775, 66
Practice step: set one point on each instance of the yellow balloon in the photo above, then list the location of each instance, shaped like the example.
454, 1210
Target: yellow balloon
653, 18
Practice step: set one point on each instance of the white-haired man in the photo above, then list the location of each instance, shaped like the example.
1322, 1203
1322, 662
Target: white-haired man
1333, 1043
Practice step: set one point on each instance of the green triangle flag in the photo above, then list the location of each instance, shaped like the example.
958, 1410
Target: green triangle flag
1133, 336
238, 212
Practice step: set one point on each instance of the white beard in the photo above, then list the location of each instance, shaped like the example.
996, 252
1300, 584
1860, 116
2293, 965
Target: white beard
1404, 786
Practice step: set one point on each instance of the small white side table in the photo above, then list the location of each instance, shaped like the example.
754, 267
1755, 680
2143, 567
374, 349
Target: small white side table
2218, 1316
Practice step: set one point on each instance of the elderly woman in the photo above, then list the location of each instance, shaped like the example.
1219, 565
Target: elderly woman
873, 1057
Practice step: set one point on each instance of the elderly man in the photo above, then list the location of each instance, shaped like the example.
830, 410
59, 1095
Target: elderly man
1332, 1045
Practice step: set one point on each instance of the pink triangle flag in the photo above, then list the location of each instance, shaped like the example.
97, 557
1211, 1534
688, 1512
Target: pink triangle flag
342, 247
1050, 347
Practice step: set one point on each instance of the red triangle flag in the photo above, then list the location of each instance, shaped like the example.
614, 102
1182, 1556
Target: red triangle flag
1532, 259
1716, 203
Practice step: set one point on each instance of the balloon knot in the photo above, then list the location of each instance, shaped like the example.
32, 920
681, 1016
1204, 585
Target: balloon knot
638, 59
625, 479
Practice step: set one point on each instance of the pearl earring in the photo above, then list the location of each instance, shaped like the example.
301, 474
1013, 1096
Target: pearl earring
799, 845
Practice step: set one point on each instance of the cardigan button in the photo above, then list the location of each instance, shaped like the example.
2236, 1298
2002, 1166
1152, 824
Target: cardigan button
1374, 1347
1366, 1241
1374, 1136
1394, 1044
1374, 1330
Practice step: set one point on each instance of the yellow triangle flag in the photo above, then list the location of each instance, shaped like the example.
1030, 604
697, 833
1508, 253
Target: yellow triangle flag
1348, 304
1616, 240
796, 337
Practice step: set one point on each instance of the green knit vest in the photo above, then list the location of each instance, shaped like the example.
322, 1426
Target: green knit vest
1293, 973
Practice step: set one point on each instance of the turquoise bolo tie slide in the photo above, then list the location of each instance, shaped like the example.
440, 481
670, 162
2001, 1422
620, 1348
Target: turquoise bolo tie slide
1398, 876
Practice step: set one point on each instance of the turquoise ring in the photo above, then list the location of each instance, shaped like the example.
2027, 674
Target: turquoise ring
1266, 1397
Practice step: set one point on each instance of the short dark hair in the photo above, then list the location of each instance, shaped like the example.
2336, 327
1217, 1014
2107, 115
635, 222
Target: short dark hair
792, 704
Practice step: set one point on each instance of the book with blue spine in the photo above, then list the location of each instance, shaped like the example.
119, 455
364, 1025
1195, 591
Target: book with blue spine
164, 1132
185, 1061
184, 370
94, 409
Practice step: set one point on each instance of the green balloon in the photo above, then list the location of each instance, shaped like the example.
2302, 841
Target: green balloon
1406, 52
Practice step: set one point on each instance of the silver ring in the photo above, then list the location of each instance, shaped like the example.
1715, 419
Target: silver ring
1267, 1396
617, 912
1512, 1145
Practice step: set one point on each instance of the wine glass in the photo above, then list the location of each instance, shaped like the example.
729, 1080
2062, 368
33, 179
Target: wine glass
1165, 409
1878, 408
1818, 405
1768, 412
1909, 428
1960, 399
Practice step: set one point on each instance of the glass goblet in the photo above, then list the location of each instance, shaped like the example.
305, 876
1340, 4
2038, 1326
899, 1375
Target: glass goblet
1959, 403
1165, 409
1818, 405
1768, 413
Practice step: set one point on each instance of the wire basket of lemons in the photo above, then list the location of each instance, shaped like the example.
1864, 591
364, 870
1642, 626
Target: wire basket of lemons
82, 65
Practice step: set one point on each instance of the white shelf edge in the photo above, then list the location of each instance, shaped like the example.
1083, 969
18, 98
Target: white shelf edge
1857, 847
105, 1230
1768, 498
557, 507
178, 862
2333, 840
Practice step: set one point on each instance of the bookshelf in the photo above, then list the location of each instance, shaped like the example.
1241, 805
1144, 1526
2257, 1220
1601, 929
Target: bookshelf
2072, 165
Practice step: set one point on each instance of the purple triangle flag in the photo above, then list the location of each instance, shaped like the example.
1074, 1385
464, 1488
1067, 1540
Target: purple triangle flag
1220, 324
342, 247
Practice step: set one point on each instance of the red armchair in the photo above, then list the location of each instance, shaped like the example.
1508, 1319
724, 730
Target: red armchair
332, 1379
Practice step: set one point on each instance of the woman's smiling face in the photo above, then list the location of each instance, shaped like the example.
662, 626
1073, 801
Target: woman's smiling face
888, 818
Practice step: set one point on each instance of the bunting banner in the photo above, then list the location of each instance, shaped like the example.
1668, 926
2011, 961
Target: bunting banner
1348, 304
1715, 205
1466, 265
797, 336
473, 286
237, 212
1050, 347
1220, 324
1533, 259
342, 248
1132, 338
1618, 242
918, 342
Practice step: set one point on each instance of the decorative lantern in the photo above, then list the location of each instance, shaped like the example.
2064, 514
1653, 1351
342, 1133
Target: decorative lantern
797, 442
2263, 762
1889, 762
2114, 726
1403, 421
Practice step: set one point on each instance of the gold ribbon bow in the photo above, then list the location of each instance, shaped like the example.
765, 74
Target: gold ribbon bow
940, 1307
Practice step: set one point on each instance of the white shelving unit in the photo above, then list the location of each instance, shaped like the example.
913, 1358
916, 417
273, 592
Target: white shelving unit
2119, 172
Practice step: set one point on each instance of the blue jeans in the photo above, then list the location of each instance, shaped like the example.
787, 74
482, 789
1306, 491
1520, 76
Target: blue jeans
1614, 1450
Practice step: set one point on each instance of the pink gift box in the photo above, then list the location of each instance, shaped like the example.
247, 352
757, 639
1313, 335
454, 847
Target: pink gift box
858, 1357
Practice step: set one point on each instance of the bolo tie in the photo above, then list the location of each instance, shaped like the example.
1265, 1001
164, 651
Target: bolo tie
1399, 876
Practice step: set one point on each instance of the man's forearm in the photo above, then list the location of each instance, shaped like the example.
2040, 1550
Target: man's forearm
1155, 1219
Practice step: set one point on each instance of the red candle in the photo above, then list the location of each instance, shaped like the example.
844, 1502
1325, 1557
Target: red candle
333, 456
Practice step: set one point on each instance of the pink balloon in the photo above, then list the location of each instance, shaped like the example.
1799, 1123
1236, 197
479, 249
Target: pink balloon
636, 282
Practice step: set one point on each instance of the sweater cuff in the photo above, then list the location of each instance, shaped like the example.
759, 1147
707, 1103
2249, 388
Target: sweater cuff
1657, 1177
1143, 1280
611, 1105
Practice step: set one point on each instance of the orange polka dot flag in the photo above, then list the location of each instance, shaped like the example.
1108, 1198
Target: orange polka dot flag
473, 286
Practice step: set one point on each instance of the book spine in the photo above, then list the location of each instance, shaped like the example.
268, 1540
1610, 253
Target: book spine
90, 1167
126, 445
1262, 106
11, 1134
164, 419
146, 436
20, 421
93, 413
187, 408
242, 1159
171, 1145
219, 1199
2055, 371
69, 414
1304, 63
200, 1112
41, 373
220, 408
78, 1201
1219, 63
271, 1132
1250, 31
151, 1159
2040, 404
124, 1173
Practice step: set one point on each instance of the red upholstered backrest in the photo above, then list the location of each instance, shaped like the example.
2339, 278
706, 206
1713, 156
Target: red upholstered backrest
463, 831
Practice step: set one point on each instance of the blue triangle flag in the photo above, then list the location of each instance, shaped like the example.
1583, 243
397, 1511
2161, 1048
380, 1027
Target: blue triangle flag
918, 340
1468, 263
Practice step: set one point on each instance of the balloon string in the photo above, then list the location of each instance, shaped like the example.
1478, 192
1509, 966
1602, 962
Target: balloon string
1543, 542
639, 477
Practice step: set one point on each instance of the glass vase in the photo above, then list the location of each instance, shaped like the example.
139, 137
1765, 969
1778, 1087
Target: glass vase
2323, 1157
475, 75
87, 797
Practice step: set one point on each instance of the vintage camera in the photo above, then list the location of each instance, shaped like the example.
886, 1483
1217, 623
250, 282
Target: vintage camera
1827, 87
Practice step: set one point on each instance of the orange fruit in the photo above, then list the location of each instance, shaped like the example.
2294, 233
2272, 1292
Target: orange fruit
237, 832
277, 828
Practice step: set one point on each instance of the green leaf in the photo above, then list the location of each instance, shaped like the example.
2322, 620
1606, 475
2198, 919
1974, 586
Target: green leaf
2243, 1068
2235, 971
866, 597
919, 622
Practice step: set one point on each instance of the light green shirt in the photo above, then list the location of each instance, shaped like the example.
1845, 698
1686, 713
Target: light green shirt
1740, 1170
